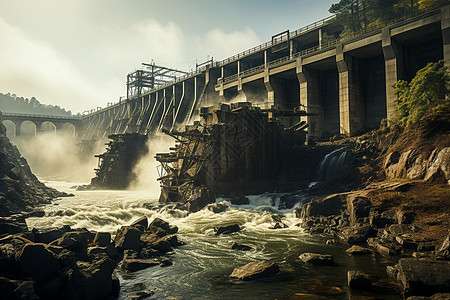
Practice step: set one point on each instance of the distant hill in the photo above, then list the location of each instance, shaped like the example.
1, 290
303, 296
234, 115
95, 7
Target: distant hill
14, 104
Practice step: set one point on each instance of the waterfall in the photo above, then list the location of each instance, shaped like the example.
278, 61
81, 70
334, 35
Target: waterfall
334, 165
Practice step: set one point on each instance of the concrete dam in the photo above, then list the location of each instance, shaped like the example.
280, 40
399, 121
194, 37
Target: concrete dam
344, 85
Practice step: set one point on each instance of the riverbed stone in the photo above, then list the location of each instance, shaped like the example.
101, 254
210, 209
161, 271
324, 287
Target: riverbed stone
238, 198
380, 247
255, 270
358, 279
133, 265
153, 241
317, 259
358, 250
141, 223
227, 229
356, 234
218, 207
162, 227
37, 261
128, 237
102, 239
424, 276
328, 206
17, 289
237, 246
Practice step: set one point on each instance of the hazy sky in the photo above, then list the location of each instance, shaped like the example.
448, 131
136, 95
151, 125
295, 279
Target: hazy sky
77, 53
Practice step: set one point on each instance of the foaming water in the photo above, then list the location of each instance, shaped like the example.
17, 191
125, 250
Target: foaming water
201, 267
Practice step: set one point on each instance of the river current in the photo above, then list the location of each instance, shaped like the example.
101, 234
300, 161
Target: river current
201, 267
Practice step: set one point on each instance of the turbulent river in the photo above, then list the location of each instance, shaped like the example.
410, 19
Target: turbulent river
201, 267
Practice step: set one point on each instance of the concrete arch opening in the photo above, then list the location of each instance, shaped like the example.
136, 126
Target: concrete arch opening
67, 129
48, 127
10, 128
28, 128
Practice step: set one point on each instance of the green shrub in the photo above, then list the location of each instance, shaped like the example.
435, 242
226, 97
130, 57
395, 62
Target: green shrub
428, 89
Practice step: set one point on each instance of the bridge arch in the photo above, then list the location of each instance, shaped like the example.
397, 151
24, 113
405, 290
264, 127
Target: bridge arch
68, 129
10, 128
28, 128
48, 127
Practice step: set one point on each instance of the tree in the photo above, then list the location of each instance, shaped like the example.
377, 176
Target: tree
428, 89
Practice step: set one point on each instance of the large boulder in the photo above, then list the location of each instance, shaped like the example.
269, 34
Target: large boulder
90, 280
162, 227
17, 289
255, 270
227, 229
358, 250
128, 237
439, 165
160, 244
356, 234
328, 206
317, 259
141, 223
102, 239
423, 277
358, 207
200, 198
238, 198
358, 279
37, 261
134, 264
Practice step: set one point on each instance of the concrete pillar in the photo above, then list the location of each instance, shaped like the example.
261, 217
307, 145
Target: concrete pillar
270, 91
309, 98
351, 101
445, 28
394, 69
320, 37
17, 128
266, 58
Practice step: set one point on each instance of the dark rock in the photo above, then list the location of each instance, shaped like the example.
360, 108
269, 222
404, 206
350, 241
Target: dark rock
96, 250
218, 207
279, 225
424, 277
90, 280
405, 217
238, 198
155, 242
141, 295
49, 235
141, 222
406, 243
444, 249
331, 205
237, 246
392, 271
199, 198
112, 252
10, 227
399, 229
128, 237
380, 220
37, 261
380, 247
358, 280
356, 234
77, 240
330, 242
440, 296
358, 207
165, 262
317, 259
17, 289
133, 265
358, 250
159, 225
227, 229
255, 270
102, 239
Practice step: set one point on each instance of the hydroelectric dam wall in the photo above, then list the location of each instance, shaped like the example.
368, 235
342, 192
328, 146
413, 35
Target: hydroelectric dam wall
345, 85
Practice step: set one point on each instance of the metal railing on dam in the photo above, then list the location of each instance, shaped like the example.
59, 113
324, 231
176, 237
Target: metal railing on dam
331, 44
7, 114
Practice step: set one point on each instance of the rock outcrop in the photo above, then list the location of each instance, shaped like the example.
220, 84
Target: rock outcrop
20, 190
255, 270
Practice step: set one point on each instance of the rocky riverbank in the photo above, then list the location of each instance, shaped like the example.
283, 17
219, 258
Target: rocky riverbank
65, 263
398, 205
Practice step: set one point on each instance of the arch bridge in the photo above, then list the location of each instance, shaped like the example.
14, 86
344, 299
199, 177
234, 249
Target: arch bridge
59, 122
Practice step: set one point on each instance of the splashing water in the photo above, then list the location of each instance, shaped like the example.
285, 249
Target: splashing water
201, 267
